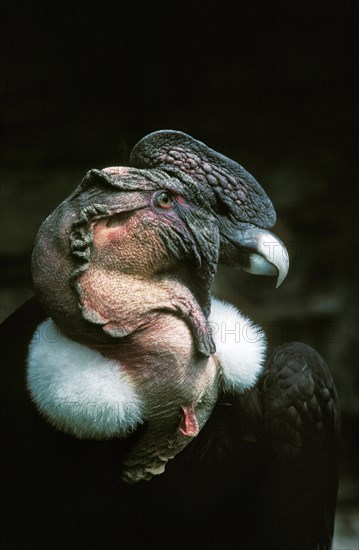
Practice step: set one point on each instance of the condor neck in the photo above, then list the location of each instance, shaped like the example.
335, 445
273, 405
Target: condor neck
168, 375
123, 306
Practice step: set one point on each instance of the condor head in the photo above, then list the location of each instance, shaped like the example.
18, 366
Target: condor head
172, 216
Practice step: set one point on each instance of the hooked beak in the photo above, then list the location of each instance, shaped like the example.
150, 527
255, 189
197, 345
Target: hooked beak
256, 251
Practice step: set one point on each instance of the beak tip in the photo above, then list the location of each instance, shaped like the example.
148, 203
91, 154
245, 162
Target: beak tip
282, 273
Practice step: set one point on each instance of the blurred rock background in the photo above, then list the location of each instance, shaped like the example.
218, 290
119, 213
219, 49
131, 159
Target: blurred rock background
272, 85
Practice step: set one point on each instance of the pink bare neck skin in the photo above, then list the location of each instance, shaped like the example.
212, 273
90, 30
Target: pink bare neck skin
178, 389
150, 320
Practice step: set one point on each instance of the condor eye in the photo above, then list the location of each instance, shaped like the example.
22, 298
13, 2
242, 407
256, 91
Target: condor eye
163, 199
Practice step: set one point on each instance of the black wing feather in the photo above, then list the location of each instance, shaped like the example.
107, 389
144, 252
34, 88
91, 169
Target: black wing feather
301, 430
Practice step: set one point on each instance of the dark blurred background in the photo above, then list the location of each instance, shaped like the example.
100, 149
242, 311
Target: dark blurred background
272, 85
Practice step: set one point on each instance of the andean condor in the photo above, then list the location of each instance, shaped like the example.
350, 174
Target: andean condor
139, 412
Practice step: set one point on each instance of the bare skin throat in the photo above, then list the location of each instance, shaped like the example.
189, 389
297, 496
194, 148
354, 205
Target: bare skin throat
177, 386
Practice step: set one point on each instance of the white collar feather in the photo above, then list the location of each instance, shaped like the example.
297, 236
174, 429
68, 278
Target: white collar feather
89, 396
240, 345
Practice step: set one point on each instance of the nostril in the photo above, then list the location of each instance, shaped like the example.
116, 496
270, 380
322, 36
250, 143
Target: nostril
118, 219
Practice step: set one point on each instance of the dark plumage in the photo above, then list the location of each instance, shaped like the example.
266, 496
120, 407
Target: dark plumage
262, 471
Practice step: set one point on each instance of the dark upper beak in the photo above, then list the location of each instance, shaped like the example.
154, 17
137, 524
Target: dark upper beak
254, 250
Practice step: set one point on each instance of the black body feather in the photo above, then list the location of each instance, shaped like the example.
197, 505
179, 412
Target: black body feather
262, 474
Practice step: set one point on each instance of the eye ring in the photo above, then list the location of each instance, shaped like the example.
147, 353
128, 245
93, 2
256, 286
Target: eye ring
163, 199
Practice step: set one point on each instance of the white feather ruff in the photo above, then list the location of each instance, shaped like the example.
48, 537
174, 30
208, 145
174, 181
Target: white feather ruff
241, 346
80, 391
89, 396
